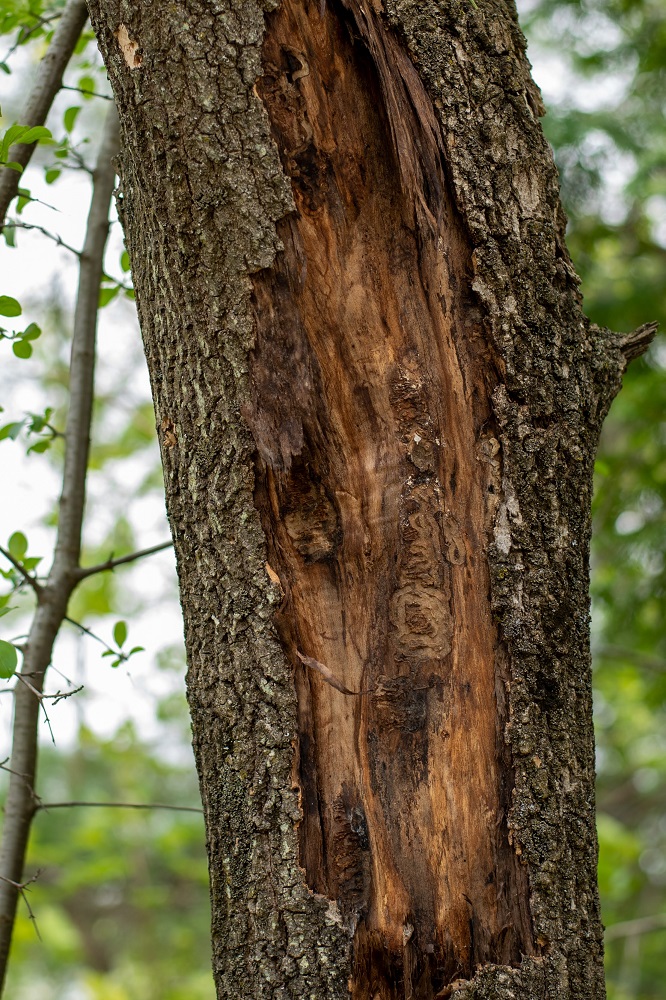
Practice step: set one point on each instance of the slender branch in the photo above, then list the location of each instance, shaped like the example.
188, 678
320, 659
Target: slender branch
47, 85
79, 160
55, 698
122, 285
23, 777
61, 581
89, 632
633, 928
89, 93
82, 366
45, 232
119, 805
642, 660
37, 587
110, 564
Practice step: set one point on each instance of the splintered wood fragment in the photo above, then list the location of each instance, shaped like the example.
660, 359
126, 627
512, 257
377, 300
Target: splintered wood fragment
274, 578
328, 675
637, 342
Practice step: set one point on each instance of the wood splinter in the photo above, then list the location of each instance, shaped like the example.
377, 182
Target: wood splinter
329, 676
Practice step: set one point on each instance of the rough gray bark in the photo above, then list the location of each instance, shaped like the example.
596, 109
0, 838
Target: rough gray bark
204, 194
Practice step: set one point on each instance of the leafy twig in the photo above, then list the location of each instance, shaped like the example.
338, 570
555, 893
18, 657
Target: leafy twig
47, 85
30, 580
25, 33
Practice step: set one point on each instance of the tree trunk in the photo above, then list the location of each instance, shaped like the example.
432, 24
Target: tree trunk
378, 403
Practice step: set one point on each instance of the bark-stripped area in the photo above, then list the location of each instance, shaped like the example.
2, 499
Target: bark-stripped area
377, 484
378, 402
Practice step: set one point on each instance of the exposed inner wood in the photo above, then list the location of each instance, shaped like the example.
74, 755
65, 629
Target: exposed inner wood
376, 480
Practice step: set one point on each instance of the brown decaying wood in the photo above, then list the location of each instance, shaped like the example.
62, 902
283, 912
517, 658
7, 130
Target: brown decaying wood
377, 482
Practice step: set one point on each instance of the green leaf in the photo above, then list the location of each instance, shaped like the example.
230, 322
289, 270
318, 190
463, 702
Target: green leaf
32, 563
52, 174
5, 68
13, 165
136, 649
22, 349
24, 197
18, 545
106, 295
87, 85
9, 233
108, 652
5, 611
8, 659
39, 447
9, 306
80, 46
125, 261
69, 117
11, 136
11, 431
21, 134
31, 332
119, 633
36, 134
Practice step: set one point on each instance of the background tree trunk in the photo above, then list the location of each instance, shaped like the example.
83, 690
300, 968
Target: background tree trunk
378, 403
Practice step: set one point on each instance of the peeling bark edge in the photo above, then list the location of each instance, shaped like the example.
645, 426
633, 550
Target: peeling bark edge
473, 65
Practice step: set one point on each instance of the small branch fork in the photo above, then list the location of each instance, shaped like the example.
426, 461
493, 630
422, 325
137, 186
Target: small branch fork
83, 572
30, 580
22, 888
42, 698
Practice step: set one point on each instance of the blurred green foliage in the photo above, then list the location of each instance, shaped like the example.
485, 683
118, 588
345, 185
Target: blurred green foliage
607, 123
121, 901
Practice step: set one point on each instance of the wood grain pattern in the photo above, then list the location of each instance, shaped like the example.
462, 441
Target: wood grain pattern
377, 475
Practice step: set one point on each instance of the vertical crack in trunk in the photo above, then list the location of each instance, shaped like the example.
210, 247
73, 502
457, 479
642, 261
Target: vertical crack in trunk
377, 481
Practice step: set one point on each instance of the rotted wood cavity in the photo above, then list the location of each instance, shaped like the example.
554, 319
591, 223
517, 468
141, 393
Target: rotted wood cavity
377, 475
